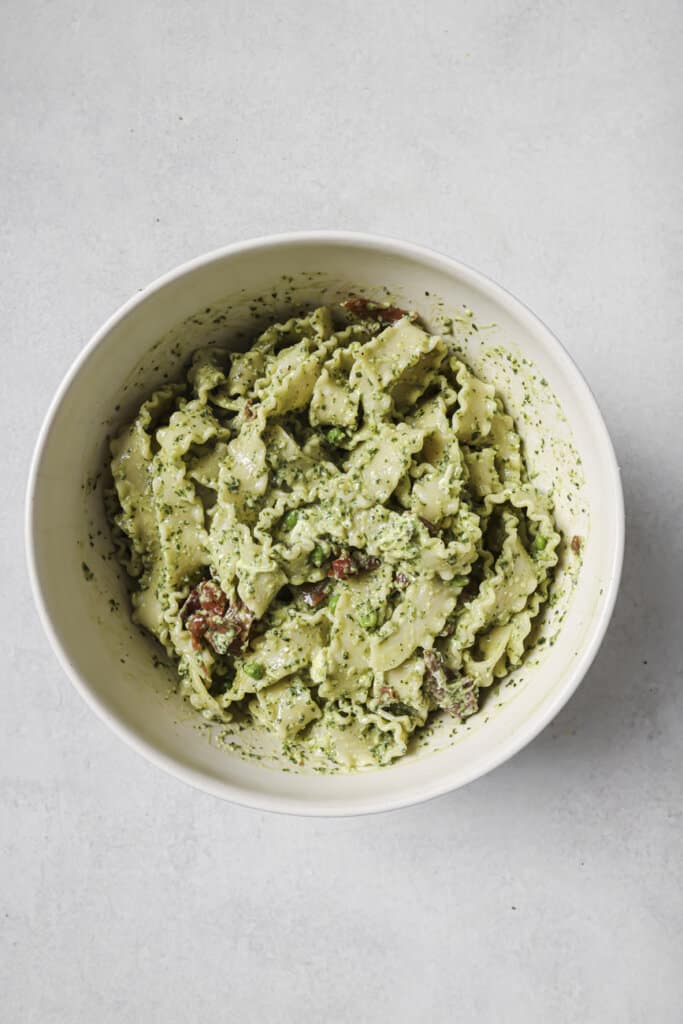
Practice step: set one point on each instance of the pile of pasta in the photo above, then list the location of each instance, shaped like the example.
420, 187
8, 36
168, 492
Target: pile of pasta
333, 532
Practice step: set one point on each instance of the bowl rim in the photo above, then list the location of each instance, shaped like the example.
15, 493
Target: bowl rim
442, 783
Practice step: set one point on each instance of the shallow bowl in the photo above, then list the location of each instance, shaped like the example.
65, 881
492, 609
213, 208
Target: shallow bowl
226, 296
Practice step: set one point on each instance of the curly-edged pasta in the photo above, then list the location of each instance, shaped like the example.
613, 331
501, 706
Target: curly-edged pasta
334, 533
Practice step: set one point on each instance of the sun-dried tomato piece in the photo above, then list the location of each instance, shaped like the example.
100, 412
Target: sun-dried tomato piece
243, 619
390, 314
365, 562
401, 580
576, 545
386, 694
466, 700
457, 695
352, 562
432, 528
207, 616
196, 626
435, 665
207, 597
342, 568
212, 600
365, 309
315, 594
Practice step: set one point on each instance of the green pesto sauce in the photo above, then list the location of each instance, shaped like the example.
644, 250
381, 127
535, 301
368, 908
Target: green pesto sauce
322, 743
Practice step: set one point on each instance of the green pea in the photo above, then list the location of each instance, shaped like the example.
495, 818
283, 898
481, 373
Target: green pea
317, 556
333, 602
540, 542
291, 519
459, 581
254, 669
336, 435
368, 619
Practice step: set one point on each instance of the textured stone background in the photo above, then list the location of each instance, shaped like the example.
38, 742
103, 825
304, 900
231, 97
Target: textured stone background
540, 142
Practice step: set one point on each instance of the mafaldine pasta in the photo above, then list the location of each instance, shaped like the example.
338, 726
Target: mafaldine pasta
333, 534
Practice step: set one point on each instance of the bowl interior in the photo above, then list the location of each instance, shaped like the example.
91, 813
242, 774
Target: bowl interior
227, 298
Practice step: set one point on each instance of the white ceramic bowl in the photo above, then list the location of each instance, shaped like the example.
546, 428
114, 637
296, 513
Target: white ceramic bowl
85, 611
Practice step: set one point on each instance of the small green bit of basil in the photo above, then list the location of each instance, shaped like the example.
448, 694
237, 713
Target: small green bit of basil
291, 519
459, 581
540, 542
333, 602
336, 435
398, 708
254, 669
317, 556
368, 620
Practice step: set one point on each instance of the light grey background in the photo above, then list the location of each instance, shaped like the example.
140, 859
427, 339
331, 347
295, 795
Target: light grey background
540, 142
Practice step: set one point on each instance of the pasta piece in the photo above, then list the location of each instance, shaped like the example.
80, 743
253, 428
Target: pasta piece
290, 375
436, 491
342, 668
400, 691
416, 621
482, 472
333, 401
378, 463
401, 354
207, 372
476, 405
285, 708
282, 651
130, 467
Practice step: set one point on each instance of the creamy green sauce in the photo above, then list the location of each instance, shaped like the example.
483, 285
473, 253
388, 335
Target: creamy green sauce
349, 455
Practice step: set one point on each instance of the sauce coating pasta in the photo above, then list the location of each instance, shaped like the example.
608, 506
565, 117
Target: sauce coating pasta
333, 533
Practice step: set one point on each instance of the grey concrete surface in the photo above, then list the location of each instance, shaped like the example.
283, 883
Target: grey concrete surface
540, 142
